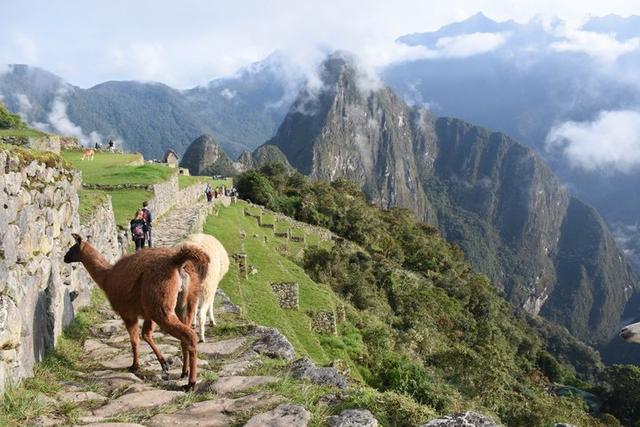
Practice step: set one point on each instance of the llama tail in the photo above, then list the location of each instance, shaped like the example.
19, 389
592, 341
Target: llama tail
196, 256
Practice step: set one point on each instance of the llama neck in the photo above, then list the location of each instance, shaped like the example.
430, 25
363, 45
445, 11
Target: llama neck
96, 264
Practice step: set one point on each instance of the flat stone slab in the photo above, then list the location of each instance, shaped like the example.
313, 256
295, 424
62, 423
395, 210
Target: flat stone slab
287, 415
214, 413
122, 361
80, 396
221, 348
113, 425
238, 368
113, 380
127, 402
228, 385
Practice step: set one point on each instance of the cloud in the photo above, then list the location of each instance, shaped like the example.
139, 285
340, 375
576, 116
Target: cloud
147, 61
228, 93
58, 121
27, 48
472, 44
610, 142
24, 105
603, 47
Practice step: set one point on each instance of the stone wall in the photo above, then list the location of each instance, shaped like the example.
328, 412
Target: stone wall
39, 293
324, 322
102, 232
286, 294
44, 143
168, 194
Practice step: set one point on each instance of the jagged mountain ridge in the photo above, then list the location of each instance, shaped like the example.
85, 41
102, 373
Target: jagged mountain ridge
205, 156
494, 197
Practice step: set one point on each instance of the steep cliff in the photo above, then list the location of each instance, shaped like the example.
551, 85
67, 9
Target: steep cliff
205, 157
495, 198
262, 155
342, 131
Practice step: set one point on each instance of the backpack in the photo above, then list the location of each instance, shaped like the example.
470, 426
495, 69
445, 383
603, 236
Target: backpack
137, 231
145, 215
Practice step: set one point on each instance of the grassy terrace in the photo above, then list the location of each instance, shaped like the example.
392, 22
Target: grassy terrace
115, 169
185, 181
274, 262
24, 132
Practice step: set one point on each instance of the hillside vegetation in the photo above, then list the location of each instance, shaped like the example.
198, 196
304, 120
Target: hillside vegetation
12, 125
422, 323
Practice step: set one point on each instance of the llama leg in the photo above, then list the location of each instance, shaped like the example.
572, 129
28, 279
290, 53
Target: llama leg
134, 337
202, 319
174, 327
147, 334
212, 319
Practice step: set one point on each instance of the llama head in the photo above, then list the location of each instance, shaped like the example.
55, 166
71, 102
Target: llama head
73, 254
631, 333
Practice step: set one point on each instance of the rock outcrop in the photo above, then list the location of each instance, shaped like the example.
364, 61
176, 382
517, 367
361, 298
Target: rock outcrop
305, 369
205, 157
353, 418
462, 420
262, 155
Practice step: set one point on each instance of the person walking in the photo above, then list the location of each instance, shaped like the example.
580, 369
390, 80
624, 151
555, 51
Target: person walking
111, 144
137, 226
208, 193
146, 214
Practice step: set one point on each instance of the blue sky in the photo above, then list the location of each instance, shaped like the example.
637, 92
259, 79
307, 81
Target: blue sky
185, 43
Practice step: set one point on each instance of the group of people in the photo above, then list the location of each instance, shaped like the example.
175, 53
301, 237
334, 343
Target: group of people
110, 144
140, 227
214, 193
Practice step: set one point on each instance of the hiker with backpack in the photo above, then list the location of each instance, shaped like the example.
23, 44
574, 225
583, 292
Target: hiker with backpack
146, 215
209, 193
137, 226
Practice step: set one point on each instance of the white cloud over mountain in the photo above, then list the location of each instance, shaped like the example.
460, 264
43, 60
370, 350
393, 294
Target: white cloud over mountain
600, 46
611, 142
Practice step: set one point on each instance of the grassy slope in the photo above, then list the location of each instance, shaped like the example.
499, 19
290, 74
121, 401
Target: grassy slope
21, 132
185, 181
113, 168
254, 294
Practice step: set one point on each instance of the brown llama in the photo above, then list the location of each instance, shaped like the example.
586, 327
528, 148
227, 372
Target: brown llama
88, 154
146, 285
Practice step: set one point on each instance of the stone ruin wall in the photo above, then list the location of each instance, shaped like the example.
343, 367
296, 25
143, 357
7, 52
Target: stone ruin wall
39, 293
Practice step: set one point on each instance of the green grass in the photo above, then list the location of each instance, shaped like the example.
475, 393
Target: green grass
89, 201
27, 155
114, 169
24, 132
254, 294
185, 181
125, 203
22, 404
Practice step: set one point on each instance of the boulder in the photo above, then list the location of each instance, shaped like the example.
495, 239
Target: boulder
287, 415
272, 343
353, 418
467, 419
305, 369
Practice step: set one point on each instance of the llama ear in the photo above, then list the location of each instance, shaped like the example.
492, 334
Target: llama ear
77, 238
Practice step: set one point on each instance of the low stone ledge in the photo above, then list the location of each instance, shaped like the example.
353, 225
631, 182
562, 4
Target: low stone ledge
324, 322
287, 295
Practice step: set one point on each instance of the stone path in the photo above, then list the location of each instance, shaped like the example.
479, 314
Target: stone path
226, 393
179, 222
